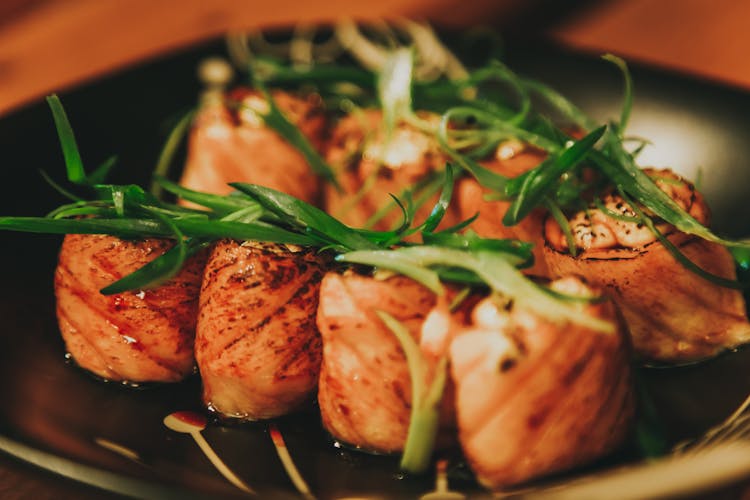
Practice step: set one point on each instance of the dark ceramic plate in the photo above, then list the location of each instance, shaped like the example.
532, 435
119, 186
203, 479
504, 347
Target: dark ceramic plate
56, 416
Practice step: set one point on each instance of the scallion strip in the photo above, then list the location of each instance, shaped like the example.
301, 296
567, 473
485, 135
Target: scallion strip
73, 162
394, 90
99, 175
537, 183
560, 103
145, 228
627, 177
222, 205
440, 208
562, 221
627, 100
393, 260
678, 255
614, 215
425, 399
57, 187
305, 216
168, 151
494, 268
158, 270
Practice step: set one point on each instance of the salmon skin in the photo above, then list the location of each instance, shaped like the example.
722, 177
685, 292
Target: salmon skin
534, 397
257, 346
370, 169
229, 142
674, 315
364, 391
134, 337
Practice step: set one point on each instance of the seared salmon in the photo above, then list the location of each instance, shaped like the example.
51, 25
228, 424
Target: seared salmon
143, 336
364, 392
673, 314
229, 142
257, 346
534, 397
370, 169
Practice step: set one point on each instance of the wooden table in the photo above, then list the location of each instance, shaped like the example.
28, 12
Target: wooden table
49, 45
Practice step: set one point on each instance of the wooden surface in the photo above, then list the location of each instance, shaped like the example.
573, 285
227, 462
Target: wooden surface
702, 37
49, 45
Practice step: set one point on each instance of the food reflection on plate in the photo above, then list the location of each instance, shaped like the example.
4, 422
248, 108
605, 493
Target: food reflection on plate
412, 245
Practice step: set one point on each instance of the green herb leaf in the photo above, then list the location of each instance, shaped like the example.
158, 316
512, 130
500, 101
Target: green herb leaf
398, 262
158, 270
518, 252
425, 399
461, 225
124, 228
168, 151
394, 90
484, 176
564, 224
499, 71
627, 101
57, 187
561, 103
222, 205
407, 211
144, 228
254, 231
101, 173
321, 76
494, 268
536, 184
438, 211
73, 162
627, 177
305, 216
424, 189
681, 257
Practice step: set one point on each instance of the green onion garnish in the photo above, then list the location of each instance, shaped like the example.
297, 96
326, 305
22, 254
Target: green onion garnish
497, 270
73, 162
425, 399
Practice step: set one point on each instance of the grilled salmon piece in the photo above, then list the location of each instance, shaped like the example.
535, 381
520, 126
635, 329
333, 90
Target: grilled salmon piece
257, 346
229, 142
511, 159
673, 314
144, 336
364, 391
370, 169
534, 397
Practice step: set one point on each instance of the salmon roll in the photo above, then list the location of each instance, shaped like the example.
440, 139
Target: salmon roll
673, 314
257, 345
364, 391
229, 142
535, 397
511, 159
133, 337
371, 168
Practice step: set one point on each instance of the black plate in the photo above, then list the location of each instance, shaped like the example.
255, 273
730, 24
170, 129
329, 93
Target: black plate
53, 413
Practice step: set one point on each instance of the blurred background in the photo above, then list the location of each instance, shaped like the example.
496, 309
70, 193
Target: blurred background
51, 45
